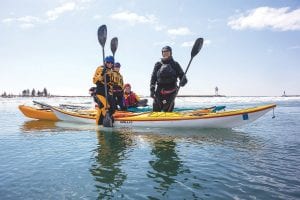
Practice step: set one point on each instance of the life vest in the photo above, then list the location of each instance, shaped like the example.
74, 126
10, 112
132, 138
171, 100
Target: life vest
117, 80
131, 99
166, 74
98, 79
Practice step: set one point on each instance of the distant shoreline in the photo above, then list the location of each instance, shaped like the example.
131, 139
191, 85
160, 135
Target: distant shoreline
142, 96
296, 95
201, 96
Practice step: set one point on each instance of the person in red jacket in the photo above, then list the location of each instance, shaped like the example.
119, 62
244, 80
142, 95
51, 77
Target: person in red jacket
131, 99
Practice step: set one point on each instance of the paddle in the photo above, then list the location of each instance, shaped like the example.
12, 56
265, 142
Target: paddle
114, 45
195, 50
102, 35
43, 105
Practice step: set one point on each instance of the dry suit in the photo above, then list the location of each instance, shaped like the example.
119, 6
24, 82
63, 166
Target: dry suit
163, 84
103, 106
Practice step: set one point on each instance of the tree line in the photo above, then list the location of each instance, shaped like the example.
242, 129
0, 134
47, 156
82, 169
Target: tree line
28, 93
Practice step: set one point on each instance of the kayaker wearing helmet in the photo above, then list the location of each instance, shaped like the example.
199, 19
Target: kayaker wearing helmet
100, 99
118, 83
163, 84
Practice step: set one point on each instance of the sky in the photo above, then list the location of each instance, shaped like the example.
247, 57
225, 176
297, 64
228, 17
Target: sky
251, 47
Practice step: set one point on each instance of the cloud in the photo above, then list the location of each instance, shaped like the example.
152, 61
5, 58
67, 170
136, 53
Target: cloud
29, 19
97, 17
56, 12
281, 19
180, 31
50, 15
133, 18
27, 25
24, 22
191, 43
207, 42
188, 44
8, 20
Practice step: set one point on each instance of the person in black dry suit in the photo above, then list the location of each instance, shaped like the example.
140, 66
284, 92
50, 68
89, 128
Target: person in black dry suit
163, 84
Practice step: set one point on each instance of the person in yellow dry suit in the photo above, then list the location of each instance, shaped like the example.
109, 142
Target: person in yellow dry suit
102, 105
118, 83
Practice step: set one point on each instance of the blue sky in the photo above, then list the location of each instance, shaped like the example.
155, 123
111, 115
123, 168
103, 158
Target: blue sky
251, 47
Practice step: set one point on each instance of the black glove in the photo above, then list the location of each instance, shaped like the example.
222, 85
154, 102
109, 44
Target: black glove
183, 81
152, 91
92, 91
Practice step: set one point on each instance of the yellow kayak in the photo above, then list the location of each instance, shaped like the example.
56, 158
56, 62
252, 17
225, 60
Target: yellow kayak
193, 119
38, 113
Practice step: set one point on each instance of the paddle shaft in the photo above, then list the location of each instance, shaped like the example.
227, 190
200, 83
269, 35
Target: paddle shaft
195, 50
102, 35
171, 105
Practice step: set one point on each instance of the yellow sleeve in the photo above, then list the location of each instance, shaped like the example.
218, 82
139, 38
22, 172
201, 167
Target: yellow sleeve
97, 75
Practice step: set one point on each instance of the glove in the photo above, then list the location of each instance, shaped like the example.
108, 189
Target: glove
183, 81
92, 91
152, 92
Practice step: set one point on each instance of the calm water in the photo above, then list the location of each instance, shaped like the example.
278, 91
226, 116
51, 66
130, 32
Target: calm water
46, 160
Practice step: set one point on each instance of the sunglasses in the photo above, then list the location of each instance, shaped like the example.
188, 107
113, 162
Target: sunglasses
109, 63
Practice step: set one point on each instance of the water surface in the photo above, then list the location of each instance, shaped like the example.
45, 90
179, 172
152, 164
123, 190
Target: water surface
48, 160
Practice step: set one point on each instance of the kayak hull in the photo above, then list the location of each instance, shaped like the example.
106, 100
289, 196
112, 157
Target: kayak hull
225, 119
35, 113
212, 122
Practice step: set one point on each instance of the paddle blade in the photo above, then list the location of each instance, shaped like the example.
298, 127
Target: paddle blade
102, 35
107, 121
197, 47
114, 45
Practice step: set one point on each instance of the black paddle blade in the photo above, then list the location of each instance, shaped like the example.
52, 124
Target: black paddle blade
107, 121
114, 45
102, 35
197, 47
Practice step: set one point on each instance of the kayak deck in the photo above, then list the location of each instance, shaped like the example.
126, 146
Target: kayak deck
166, 116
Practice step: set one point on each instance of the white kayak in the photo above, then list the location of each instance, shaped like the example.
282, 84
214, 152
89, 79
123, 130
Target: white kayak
193, 119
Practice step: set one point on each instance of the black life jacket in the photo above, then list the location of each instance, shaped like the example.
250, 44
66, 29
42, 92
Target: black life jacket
166, 74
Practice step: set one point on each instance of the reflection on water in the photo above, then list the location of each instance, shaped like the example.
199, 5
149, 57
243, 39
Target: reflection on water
51, 126
225, 137
166, 165
38, 125
107, 163
175, 163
